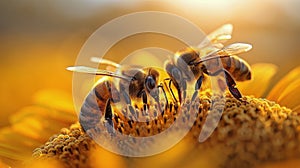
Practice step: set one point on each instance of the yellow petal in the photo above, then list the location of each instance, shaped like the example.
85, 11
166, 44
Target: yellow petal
38, 128
30, 128
46, 163
262, 74
55, 99
281, 164
283, 83
104, 158
33, 125
3, 165
11, 139
290, 96
37, 111
16, 146
15, 155
297, 108
169, 158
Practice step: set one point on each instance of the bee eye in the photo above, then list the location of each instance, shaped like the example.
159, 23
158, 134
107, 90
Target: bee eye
150, 83
176, 74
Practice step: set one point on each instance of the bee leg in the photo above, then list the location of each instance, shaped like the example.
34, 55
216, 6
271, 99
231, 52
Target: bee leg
165, 95
232, 86
197, 87
108, 122
128, 102
183, 84
145, 100
230, 83
173, 95
155, 95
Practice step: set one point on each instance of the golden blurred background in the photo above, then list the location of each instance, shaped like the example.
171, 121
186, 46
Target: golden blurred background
39, 39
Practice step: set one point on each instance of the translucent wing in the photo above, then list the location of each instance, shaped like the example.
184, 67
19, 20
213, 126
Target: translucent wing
235, 48
146, 57
232, 49
217, 37
104, 61
89, 70
110, 65
221, 35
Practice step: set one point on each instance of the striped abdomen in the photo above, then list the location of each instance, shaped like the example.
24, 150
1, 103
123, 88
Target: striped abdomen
237, 67
94, 104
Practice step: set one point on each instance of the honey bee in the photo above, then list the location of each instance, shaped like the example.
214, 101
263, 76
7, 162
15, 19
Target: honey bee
97, 106
210, 58
189, 65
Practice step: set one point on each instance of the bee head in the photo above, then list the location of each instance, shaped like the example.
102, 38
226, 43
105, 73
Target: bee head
151, 80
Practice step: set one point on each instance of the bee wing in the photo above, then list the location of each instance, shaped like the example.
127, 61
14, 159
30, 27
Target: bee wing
219, 36
110, 65
89, 70
104, 61
235, 48
230, 50
113, 66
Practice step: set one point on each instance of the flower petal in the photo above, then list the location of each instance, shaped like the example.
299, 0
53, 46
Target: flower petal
33, 125
170, 158
107, 159
46, 163
15, 146
297, 109
55, 99
262, 74
283, 83
290, 96
37, 111
283, 163
3, 165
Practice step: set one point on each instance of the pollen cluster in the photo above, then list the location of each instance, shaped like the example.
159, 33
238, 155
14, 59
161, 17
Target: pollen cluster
251, 131
71, 146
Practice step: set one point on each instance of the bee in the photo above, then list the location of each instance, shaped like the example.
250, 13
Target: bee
189, 65
141, 84
210, 58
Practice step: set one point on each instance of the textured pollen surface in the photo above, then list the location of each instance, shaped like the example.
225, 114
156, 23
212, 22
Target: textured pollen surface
71, 146
250, 132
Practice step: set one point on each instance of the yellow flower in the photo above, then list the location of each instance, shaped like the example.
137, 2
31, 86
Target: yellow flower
53, 113
286, 92
32, 126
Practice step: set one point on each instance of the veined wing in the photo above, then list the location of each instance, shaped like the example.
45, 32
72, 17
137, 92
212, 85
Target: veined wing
94, 71
221, 34
146, 57
235, 48
104, 62
217, 37
230, 50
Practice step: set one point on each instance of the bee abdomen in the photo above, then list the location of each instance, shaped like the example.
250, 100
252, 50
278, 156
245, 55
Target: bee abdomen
237, 67
94, 105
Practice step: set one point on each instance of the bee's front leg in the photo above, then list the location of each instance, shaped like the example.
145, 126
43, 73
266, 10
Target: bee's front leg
127, 99
197, 87
165, 95
145, 100
108, 116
